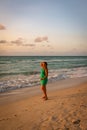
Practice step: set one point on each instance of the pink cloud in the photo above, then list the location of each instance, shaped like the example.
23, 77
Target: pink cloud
21, 42
3, 41
41, 39
18, 41
45, 38
2, 27
31, 45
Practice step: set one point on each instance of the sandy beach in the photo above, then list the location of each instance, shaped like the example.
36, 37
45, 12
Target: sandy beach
65, 109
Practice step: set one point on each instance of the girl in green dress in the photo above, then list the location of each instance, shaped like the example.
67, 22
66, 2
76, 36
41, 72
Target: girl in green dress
44, 79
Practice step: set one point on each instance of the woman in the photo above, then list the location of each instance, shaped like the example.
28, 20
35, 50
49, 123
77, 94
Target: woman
44, 79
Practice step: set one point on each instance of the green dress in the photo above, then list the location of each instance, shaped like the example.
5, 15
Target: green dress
42, 75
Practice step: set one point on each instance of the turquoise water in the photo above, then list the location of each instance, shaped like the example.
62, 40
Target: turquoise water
24, 71
28, 65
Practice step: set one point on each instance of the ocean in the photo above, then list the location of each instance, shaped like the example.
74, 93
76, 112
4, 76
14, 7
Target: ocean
24, 71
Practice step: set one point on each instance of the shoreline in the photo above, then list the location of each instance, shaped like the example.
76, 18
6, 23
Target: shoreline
28, 92
65, 109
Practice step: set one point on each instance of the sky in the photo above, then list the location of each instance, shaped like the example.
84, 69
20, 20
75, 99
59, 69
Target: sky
43, 27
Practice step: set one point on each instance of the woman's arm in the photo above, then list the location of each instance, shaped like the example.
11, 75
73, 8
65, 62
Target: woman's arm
46, 74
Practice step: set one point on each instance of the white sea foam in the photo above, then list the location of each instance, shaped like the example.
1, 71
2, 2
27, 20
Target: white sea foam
20, 81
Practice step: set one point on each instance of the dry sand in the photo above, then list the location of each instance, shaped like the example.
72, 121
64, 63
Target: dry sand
66, 108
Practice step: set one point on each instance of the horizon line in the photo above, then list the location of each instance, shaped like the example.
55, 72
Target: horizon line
42, 55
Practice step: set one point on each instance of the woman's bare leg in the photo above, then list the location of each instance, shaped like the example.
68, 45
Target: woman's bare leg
44, 91
42, 88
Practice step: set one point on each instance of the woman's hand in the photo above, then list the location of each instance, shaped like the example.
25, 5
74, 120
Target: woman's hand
43, 78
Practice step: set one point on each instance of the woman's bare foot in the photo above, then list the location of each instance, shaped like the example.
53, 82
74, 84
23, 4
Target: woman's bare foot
43, 97
46, 98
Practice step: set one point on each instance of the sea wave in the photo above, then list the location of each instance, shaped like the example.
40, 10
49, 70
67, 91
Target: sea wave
11, 82
18, 73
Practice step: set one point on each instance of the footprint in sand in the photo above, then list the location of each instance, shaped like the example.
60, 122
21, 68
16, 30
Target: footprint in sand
15, 115
4, 119
82, 105
52, 118
76, 122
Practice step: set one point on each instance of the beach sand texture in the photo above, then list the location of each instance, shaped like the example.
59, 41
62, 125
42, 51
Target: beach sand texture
66, 109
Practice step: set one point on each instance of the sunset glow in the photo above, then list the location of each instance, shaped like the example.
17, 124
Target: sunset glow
43, 27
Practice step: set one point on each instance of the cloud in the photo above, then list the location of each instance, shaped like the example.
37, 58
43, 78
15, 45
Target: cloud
38, 39
19, 41
31, 45
41, 39
3, 41
45, 39
2, 27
